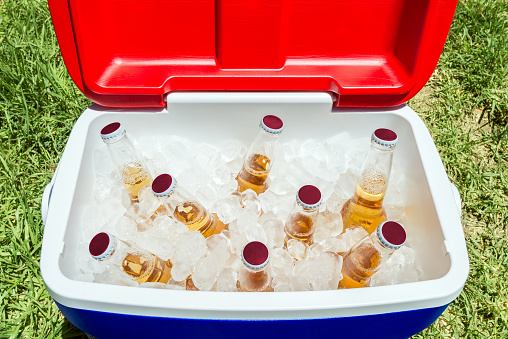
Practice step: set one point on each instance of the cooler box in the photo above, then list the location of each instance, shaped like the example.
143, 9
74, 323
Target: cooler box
208, 71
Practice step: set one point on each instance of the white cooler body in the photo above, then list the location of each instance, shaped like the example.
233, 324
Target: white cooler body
106, 311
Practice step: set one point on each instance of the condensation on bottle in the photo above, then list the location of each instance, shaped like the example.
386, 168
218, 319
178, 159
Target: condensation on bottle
183, 207
370, 254
131, 167
301, 220
254, 275
136, 264
365, 208
260, 156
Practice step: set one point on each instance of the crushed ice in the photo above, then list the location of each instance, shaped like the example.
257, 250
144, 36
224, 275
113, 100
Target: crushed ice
209, 173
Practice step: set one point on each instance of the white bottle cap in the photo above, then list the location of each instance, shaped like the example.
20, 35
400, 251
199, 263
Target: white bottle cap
101, 245
309, 197
255, 255
385, 137
163, 185
272, 124
112, 130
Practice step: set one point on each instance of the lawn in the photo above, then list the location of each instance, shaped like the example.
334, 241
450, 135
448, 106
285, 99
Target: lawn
464, 105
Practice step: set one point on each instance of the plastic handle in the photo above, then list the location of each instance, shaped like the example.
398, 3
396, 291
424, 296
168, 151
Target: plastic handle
458, 201
46, 196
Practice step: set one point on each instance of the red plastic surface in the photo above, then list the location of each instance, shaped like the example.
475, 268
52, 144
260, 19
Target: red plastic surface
370, 52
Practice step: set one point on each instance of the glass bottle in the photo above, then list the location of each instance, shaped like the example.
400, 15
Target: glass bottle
137, 264
183, 207
300, 223
254, 275
365, 208
131, 167
259, 158
369, 254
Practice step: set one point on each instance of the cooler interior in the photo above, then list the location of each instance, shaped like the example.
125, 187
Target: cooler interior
217, 123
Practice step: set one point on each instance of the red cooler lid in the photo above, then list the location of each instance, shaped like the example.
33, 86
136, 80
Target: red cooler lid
368, 52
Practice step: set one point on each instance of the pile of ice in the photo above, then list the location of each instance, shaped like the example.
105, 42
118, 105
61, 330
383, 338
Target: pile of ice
209, 173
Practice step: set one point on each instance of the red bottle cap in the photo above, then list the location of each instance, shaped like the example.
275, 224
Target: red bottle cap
101, 245
272, 124
391, 234
385, 137
255, 255
309, 196
163, 185
112, 130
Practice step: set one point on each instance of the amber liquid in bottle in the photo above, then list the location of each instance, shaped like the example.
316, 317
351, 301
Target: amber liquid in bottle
299, 227
134, 177
254, 282
359, 266
196, 218
365, 208
254, 173
143, 269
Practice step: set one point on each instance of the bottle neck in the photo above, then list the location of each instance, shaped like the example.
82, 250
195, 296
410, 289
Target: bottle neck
122, 152
120, 250
375, 171
265, 145
385, 251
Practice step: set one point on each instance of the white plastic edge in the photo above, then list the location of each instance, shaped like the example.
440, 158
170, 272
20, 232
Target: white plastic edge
210, 305
458, 200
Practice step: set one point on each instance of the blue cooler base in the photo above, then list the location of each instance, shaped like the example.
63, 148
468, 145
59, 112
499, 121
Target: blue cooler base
104, 325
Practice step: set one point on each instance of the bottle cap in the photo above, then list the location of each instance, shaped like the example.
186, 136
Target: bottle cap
385, 137
255, 255
309, 196
391, 234
272, 124
101, 245
163, 185
112, 130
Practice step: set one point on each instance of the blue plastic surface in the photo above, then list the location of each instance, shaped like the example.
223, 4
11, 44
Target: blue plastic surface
389, 325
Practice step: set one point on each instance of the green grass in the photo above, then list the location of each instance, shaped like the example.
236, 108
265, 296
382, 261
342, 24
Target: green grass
465, 106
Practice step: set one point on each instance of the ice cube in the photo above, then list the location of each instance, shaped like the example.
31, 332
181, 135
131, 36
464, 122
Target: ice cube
102, 187
334, 203
281, 263
181, 270
245, 220
254, 232
333, 222
250, 202
326, 272
281, 186
126, 229
232, 150
321, 234
208, 268
353, 235
336, 159
228, 208
226, 281
103, 166
206, 196
268, 199
312, 148
190, 247
274, 229
346, 186
298, 249
112, 210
